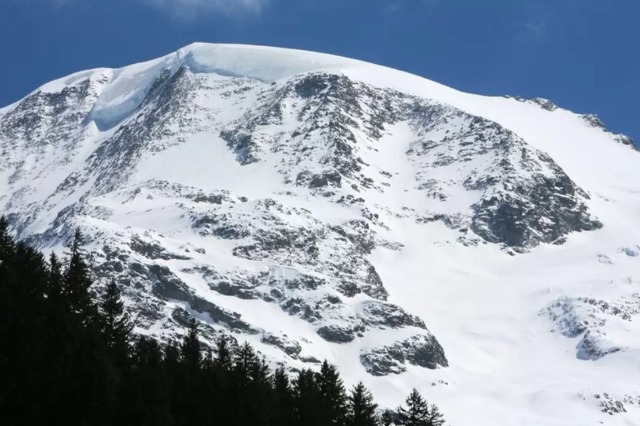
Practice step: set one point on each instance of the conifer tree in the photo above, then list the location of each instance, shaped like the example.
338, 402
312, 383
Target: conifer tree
245, 360
221, 378
386, 418
435, 417
224, 359
146, 397
333, 395
116, 324
77, 280
416, 413
362, 409
307, 400
253, 384
190, 349
171, 358
55, 282
281, 383
282, 413
7, 244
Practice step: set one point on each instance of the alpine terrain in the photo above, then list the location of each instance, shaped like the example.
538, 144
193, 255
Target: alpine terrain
484, 250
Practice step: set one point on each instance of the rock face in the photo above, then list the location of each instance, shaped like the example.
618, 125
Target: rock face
259, 204
591, 319
422, 351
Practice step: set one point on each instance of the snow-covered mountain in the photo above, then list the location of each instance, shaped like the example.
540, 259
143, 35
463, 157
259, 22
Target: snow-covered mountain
483, 249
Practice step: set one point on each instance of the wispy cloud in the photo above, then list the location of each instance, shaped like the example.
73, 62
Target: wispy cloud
189, 8
537, 28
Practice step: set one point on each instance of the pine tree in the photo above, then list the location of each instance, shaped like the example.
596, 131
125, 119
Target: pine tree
7, 244
23, 275
224, 359
146, 396
386, 418
116, 324
253, 384
333, 395
362, 409
55, 282
307, 400
171, 358
416, 413
222, 378
77, 280
190, 350
435, 417
245, 360
282, 413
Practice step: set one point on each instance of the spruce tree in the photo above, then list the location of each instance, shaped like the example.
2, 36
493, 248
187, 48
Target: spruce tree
171, 358
435, 417
222, 378
416, 413
333, 395
55, 282
362, 409
387, 418
23, 330
252, 382
116, 324
245, 360
282, 409
224, 359
190, 350
146, 395
7, 244
77, 281
307, 400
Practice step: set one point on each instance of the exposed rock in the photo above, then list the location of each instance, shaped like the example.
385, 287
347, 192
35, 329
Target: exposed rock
420, 350
545, 104
388, 315
288, 346
626, 140
336, 334
631, 251
152, 250
610, 405
593, 120
589, 318
593, 348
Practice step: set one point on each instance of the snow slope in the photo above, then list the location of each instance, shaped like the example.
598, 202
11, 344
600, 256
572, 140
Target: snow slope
483, 249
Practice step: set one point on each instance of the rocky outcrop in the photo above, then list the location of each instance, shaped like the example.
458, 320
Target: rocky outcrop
525, 198
589, 320
421, 350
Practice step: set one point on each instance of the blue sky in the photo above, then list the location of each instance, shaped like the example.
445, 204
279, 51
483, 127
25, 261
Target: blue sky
582, 54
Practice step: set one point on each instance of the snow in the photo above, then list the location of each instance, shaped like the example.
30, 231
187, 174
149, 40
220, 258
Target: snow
507, 363
263, 63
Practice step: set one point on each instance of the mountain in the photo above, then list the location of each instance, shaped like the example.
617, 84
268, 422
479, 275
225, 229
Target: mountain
483, 249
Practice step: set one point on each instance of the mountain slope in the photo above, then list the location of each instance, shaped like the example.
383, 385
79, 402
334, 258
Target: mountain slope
321, 207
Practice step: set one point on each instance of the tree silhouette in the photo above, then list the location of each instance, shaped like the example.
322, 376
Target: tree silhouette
362, 409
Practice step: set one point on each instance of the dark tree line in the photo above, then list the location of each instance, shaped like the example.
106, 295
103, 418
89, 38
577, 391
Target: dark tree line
66, 358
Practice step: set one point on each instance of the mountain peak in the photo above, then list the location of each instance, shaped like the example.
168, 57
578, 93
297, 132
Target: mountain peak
324, 208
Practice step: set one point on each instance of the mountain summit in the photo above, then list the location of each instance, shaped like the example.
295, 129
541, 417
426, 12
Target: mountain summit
325, 208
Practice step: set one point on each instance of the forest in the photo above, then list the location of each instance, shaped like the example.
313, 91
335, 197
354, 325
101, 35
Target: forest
68, 355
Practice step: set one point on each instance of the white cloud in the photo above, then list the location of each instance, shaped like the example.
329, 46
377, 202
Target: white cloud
191, 8
537, 28
187, 8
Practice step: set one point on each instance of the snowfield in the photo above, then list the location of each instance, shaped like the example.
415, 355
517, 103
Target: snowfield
485, 250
